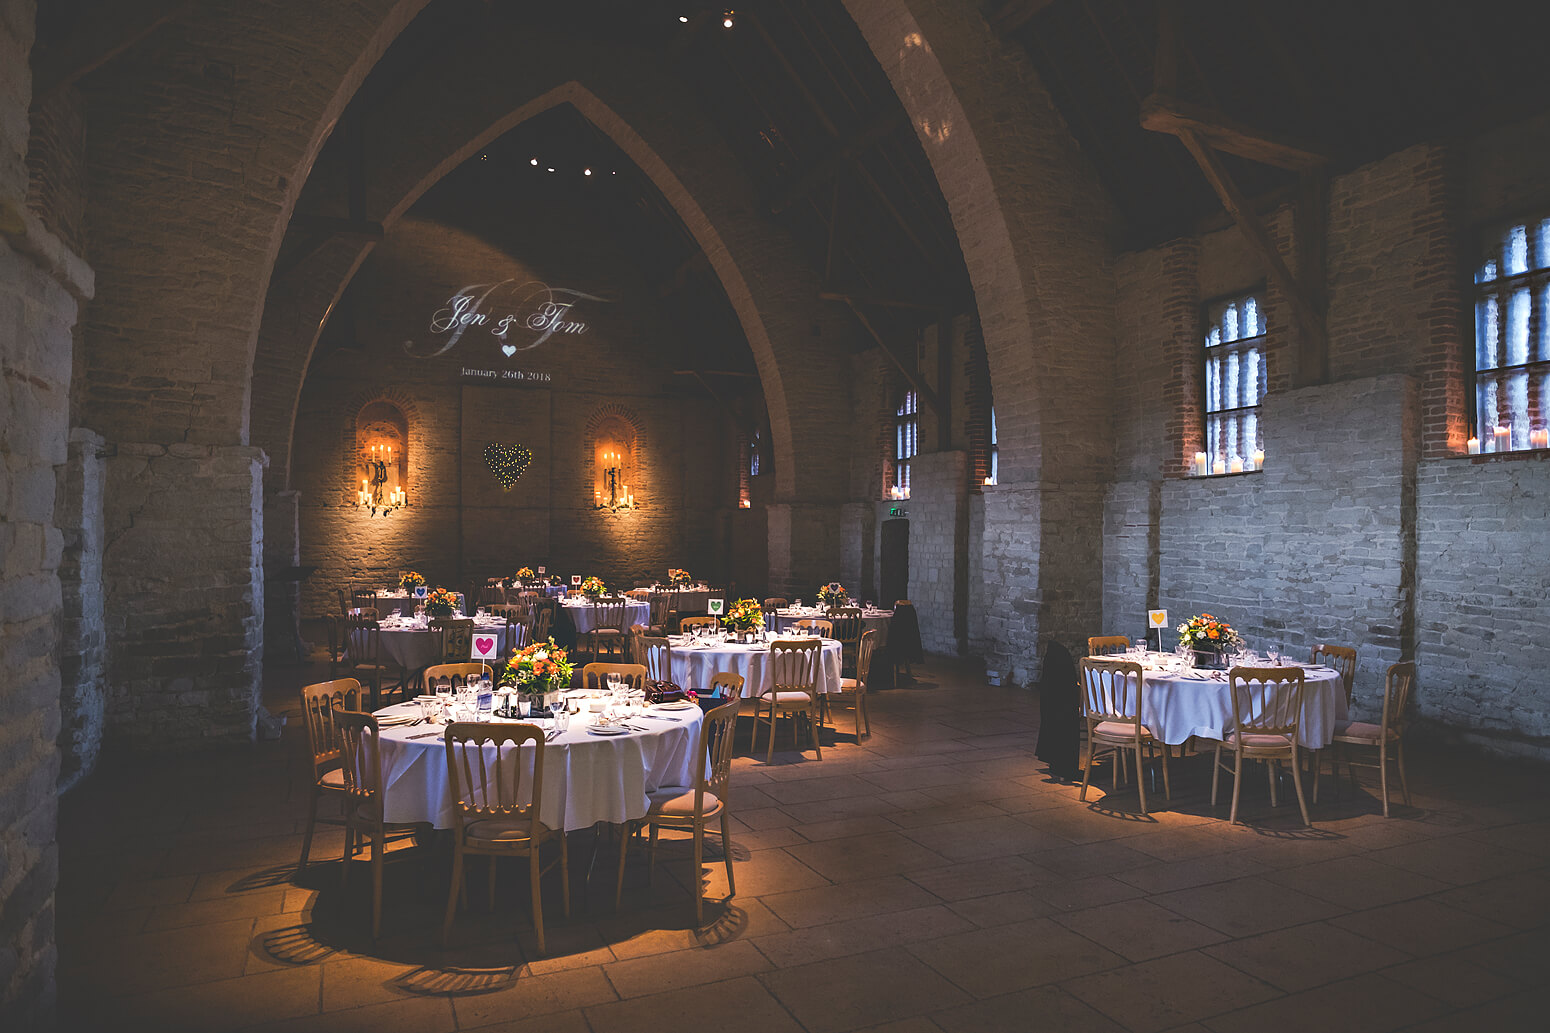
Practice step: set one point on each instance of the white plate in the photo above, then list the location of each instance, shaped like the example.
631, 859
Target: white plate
682, 704
393, 720
607, 730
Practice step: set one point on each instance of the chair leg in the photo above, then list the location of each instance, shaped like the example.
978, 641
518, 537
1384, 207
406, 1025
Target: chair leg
533, 870
1140, 782
1216, 771
812, 730
753, 742
1270, 773
868, 716
1302, 804
1237, 783
452, 894
699, 890
565, 872
726, 853
769, 755
1399, 756
624, 846
312, 817
1314, 765
378, 848
1087, 770
349, 853
1167, 789
1383, 774
651, 854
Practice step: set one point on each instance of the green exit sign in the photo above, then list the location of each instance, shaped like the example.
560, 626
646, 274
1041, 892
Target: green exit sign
896, 511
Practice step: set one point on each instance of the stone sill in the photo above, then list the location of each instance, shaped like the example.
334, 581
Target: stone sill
1503, 457
1220, 476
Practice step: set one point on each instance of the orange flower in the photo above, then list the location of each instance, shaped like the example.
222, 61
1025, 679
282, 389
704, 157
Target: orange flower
1214, 633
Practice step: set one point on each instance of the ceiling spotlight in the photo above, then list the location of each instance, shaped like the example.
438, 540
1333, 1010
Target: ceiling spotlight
532, 161
551, 168
726, 21
683, 19
586, 172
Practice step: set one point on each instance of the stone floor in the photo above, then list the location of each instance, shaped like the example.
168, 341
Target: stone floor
931, 878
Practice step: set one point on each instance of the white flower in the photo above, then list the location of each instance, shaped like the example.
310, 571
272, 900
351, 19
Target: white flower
542, 654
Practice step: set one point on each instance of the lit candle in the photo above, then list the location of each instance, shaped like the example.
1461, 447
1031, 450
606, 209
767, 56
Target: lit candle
1200, 464
1474, 446
1235, 465
1504, 438
1539, 438
990, 480
1259, 459
1219, 467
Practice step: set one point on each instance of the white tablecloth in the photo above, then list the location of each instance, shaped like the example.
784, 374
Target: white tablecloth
693, 666
690, 600
412, 647
404, 603
1175, 707
876, 620
587, 778
583, 614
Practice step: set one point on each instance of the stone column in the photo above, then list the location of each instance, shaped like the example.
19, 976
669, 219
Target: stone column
804, 548
83, 635
939, 530
183, 572
282, 551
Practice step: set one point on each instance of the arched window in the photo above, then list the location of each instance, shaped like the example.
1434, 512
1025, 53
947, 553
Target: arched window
1512, 346
906, 442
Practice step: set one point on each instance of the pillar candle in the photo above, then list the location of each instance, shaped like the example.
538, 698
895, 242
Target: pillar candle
1219, 467
1474, 446
1235, 465
1259, 459
1539, 438
1200, 464
1504, 439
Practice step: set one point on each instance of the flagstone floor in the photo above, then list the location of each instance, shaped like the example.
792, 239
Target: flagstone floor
931, 878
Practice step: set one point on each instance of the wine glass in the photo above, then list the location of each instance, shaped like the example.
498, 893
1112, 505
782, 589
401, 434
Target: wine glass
1274, 652
556, 705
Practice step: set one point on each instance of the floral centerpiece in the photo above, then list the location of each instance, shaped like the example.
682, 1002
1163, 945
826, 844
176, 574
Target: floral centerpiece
541, 668
1210, 638
410, 581
677, 576
441, 602
744, 616
833, 595
593, 587
524, 573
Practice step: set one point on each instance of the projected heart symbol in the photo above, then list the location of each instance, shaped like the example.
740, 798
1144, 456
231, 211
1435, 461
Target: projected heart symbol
509, 349
507, 462
484, 645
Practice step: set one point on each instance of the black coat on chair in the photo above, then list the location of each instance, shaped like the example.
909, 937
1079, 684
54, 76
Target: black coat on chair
1060, 713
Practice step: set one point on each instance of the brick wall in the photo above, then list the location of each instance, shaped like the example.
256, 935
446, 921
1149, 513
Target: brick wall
83, 633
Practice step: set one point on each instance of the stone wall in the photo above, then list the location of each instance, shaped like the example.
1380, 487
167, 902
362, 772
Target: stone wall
939, 535
83, 636
183, 575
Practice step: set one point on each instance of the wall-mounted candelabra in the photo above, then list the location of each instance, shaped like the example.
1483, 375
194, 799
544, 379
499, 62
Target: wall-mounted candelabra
376, 494
614, 494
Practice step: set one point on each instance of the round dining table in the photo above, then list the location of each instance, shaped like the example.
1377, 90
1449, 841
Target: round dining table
695, 662
1176, 705
404, 603
412, 645
588, 777
871, 620
583, 614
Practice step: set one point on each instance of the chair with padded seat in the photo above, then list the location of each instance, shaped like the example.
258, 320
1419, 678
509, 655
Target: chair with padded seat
814, 626
688, 623
791, 690
363, 640
853, 690
774, 603
656, 655
1388, 732
1267, 709
845, 627
1112, 694
318, 703
363, 803
694, 807
487, 765
1107, 645
594, 676
608, 638
1342, 660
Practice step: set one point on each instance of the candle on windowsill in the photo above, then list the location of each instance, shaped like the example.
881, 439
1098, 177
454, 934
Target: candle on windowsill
1200, 464
1503, 439
1219, 467
1235, 464
1473, 445
1259, 459
1539, 438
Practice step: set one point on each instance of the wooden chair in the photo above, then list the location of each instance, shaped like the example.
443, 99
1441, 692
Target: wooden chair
729, 680
318, 703
1112, 692
854, 689
1397, 684
698, 622
363, 599
457, 638
1267, 704
363, 636
656, 655
338, 640
594, 676
459, 672
815, 626
486, 766
775, 603
1107, 645
792, 690
845, 627
363, 821
1342, 659
659, 618
694, 808
540, 625
607, 640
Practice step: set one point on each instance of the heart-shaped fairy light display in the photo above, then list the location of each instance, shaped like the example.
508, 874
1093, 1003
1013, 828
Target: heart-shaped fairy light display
507, 462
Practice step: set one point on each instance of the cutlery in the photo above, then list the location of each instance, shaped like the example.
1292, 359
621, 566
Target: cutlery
423, 735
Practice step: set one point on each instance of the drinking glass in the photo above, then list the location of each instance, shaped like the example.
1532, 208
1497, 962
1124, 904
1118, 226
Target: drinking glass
485, 707
562, 718
558, 709
524, 708
1274, 652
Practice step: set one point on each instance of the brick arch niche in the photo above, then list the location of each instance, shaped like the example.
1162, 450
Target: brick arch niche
381, 452
613, 441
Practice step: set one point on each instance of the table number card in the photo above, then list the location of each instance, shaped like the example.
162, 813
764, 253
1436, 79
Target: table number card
543, 570
484, 647
716, 607
1157, 618
420, 592
575, 580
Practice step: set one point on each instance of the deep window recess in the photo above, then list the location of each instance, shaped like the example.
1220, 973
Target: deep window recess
1512, 340
1234, 382
906, 442
991, 477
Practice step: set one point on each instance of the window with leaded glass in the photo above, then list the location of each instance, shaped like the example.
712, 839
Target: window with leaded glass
994, 466
1512, 341
906, 442
1234, 382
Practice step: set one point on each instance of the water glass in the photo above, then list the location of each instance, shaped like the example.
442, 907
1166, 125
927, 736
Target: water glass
524, 707
561, 718
1274, 653
560, 711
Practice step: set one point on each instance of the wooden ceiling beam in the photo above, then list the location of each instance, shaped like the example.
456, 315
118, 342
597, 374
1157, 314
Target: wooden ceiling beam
1011, 16
108, 31
1163, 114
872, 132
910, 375
919, 304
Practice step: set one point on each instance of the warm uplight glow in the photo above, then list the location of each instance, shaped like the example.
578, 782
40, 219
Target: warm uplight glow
532, 161
1474, 446
586, 172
